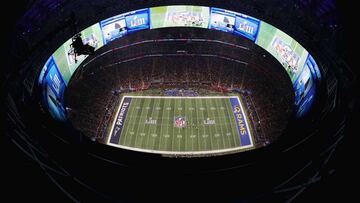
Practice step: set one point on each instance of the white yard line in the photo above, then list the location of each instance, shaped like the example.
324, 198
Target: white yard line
209, 127
167, 129
231, 117
143, 126
203, 128
181, 97
197, 129
173, 129
219, 104
144, 117
191, 129
150, 137
161, 121
226, 116
130, 119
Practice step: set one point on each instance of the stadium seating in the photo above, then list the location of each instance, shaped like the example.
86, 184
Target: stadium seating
202, 64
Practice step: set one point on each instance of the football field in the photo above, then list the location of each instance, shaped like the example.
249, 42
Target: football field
180, 125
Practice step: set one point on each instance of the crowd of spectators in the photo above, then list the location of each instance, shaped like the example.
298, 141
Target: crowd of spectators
174, 65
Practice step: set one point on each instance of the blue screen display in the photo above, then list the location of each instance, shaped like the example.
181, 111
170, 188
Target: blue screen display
54, 92
138, 20
119, 26
50, 62
304, 88
223, 20
55, 81
55, 106
247, 26
311, 64
113, 28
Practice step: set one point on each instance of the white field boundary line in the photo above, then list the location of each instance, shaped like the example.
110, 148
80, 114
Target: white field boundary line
181, 97
180, 152
247, 126
114, 121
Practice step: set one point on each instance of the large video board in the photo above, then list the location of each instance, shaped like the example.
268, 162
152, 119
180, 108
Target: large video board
222, 20
54, 87
246, 26
298, 63
179, 16
284, 48
304, 88
314, 68
232, 22
65, 56
120, 25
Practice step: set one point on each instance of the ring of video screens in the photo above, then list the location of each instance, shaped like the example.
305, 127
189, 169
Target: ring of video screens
298, 63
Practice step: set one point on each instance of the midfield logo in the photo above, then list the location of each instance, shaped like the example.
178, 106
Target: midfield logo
180, 121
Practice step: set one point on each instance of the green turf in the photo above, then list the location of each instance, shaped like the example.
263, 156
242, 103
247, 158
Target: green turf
164, 136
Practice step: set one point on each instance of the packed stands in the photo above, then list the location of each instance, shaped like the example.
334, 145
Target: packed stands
182, 67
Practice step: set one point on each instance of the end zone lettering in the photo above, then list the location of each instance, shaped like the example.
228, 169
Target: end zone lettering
122, 112
240, 122
115, 135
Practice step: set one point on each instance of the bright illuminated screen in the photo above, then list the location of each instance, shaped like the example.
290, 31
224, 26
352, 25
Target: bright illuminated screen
298, 63
120, 25
65, 57
179, 16
53, 90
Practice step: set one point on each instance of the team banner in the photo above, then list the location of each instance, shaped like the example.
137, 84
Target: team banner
120, 120
241, 122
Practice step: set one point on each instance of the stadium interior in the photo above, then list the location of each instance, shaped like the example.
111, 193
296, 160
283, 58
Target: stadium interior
293, 158
240, 66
